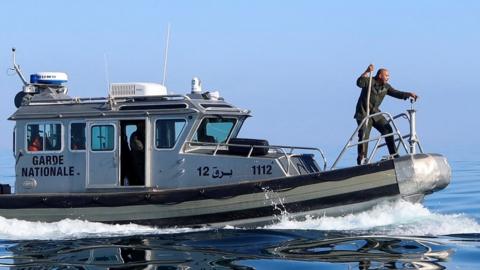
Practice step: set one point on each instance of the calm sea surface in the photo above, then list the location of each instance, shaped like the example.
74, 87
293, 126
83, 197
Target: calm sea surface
442, 233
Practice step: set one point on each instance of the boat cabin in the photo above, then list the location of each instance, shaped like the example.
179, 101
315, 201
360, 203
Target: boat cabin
140, 137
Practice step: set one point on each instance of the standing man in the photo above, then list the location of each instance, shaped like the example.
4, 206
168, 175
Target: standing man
379, 89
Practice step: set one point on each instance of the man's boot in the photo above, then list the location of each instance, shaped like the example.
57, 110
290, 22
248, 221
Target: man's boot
360, 159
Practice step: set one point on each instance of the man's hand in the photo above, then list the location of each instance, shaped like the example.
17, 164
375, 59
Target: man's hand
413, 96
370, 68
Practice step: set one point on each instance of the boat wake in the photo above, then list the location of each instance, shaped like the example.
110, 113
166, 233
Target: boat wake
388, 218
14, 229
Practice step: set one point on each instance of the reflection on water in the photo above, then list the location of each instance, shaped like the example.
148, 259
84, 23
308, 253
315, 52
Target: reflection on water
230, 249
380, 252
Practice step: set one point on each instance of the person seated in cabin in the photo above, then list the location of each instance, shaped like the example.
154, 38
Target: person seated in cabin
137, 146
379, 88
78, 143
202, 135
36, 144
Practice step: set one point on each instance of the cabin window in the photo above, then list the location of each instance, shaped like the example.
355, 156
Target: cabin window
214, 130
44, 137
77, 136
167, 132
103, 138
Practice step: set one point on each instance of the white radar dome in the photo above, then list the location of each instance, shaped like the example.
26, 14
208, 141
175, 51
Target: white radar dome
55, 78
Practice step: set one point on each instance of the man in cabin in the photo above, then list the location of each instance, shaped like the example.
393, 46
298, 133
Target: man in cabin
137, 145
379, 89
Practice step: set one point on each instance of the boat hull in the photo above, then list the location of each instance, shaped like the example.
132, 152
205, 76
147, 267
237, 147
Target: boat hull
335, 192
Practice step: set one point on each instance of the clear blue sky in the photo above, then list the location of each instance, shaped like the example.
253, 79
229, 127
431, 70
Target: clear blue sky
293, 63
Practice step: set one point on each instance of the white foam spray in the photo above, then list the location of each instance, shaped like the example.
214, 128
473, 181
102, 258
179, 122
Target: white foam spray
277, 202
14, 229
392, 218
389, 218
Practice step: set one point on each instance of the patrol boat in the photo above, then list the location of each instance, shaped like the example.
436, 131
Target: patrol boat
142, 155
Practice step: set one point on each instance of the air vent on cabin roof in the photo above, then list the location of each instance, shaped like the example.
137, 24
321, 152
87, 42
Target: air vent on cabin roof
137, 90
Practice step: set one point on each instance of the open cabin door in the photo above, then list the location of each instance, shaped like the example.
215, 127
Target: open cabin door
102, 154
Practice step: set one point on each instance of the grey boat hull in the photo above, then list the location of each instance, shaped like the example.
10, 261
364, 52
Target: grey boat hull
335, 192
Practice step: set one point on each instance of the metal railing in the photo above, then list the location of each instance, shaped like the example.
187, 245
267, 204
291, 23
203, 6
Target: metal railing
413, 140
76, 100
285, 150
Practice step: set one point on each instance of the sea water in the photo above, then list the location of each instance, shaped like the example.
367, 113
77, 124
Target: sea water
443, 232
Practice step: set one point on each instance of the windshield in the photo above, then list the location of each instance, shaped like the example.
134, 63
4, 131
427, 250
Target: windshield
214, 130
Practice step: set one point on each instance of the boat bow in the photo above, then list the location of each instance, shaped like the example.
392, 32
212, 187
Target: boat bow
421, 174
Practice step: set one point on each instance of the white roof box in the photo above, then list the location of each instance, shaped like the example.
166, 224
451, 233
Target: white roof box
137, 89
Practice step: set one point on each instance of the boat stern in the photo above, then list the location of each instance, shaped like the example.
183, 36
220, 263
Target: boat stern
421, 174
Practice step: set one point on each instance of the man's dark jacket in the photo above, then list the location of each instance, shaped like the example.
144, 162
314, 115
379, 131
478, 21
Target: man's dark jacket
376, 96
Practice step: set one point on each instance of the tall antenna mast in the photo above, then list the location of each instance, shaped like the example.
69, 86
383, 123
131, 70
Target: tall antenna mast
166, 55
107, 75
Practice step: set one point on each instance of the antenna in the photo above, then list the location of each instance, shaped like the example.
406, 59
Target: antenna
107, 76
17, 68
166, 54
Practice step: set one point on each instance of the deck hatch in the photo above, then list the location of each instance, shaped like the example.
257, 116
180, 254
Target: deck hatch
215, 105
153, 107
